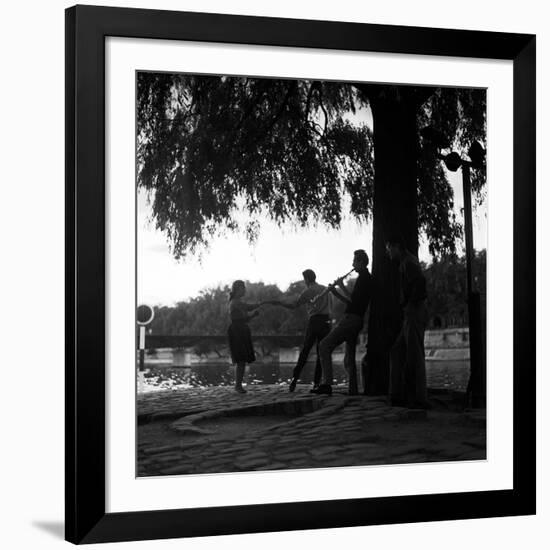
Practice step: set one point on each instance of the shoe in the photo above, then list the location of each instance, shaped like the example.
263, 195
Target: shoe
323, 389
240, 389
314, 389
292, 385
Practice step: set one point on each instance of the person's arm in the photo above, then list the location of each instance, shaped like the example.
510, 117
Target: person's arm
418, 290
287, 305
415, 291
239, 313
344, 291
302, 299
340, 297
270, 303
254, 314
319, 296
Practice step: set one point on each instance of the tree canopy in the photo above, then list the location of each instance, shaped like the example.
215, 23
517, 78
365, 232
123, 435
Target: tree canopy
282, 147
460, 115
297, 151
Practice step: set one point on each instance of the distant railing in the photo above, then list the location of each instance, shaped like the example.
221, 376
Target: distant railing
441, 338
155, 341
188, 350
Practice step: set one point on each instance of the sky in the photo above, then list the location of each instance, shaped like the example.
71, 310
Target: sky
279, 256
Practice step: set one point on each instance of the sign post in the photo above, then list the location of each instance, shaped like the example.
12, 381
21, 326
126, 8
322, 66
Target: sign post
144, 316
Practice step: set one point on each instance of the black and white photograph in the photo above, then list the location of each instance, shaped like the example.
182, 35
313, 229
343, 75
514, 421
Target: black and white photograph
275, 275
310, 273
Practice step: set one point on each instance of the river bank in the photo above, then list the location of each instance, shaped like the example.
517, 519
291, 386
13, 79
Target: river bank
449, 375
213, 430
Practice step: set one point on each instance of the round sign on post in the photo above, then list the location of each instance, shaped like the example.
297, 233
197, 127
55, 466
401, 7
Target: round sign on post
144, 315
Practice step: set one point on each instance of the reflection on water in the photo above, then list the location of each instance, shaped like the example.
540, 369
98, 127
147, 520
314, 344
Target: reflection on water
440, 374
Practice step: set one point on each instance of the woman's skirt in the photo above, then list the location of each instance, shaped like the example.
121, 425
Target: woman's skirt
240, 343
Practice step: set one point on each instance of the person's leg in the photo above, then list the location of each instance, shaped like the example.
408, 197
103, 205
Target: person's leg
333, 339
309, 340
349, 359
414, 326
353, 326
239, 375
321, 331
397, 369
364, 372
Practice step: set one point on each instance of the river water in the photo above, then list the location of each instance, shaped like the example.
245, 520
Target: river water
440, 374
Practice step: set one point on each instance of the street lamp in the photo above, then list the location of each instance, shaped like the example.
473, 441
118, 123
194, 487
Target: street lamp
476, 392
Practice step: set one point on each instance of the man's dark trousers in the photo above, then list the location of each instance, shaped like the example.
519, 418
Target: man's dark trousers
317, 328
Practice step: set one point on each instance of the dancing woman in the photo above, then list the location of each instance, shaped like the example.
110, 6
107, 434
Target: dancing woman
240, 339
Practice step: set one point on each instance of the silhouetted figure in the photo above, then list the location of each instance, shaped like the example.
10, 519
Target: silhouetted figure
407, 357
349, 327
318, 324
240, 339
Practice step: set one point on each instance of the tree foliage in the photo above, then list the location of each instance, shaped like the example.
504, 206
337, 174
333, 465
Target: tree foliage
294, 150
447, 289
282, 147
208, 313
459, 114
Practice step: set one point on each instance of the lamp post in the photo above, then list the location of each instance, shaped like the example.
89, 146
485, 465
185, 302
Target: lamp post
476, 391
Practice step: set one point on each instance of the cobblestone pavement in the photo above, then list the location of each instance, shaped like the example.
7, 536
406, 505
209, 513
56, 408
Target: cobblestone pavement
212, 430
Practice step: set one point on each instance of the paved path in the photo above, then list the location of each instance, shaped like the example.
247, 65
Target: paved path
207, 430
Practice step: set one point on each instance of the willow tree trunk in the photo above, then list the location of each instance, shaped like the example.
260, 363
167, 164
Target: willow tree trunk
394, 215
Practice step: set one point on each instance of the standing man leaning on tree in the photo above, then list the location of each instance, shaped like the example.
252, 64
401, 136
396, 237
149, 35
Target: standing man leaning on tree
407, 359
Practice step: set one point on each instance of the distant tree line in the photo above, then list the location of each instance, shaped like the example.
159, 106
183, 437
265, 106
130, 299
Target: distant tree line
447, 289
207, 313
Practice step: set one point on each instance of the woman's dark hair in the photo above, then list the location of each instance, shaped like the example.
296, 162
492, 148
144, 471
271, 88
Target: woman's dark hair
309, 275
234, 287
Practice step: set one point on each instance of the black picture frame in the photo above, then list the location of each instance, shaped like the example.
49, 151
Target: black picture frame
86, 30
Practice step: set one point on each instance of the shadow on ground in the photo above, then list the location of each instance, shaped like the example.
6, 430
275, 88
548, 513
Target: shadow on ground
54, 528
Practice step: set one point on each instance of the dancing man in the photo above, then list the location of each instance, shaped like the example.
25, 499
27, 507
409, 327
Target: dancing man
318, 324
347, 330
407, 360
